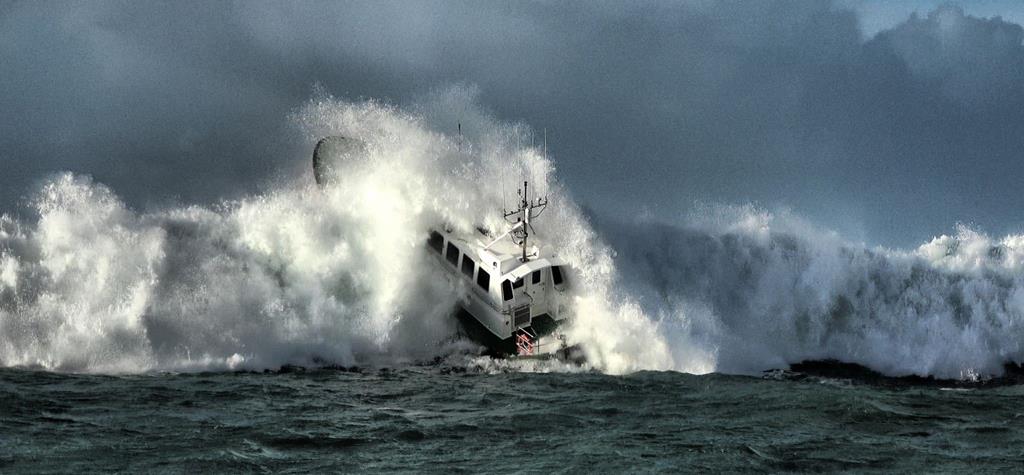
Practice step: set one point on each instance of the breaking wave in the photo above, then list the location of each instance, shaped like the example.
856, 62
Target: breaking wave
300, 275
756, 290
303, 275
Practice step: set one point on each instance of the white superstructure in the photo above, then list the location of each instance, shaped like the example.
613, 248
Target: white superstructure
516, 288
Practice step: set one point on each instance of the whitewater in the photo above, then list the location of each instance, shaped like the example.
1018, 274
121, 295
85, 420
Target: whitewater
300, 275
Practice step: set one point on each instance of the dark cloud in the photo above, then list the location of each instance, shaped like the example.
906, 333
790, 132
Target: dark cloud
649, 106
975, 61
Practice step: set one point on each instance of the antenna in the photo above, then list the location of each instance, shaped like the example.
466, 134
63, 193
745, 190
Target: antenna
529, 209
459, 142
518, 150
545, 146
522, 160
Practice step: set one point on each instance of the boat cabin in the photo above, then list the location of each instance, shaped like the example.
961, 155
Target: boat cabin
519, 291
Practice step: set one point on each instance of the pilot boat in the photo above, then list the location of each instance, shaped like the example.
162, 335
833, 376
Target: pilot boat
513, 290
515, 295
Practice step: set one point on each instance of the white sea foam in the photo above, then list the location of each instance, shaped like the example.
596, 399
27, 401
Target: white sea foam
299, 275
762, 290
307, 275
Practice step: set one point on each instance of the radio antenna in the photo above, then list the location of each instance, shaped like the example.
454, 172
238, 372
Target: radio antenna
529, 209
545, 147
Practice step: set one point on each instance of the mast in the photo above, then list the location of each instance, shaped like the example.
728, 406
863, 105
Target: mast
528, 210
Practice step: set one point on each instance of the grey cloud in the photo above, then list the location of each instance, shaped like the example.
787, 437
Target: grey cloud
649, 106
972, 59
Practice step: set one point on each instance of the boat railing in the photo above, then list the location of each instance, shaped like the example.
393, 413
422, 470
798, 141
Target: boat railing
527, 342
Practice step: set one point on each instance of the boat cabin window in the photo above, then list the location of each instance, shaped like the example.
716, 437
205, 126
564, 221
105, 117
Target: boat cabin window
468, 266
436, 242
536, 277
453, 254
483, 279
556, 274
518, 283
506, 290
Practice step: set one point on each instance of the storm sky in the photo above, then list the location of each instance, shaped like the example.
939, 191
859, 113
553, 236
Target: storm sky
888, 122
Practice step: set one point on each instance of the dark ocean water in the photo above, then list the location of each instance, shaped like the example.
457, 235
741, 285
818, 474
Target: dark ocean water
444, 419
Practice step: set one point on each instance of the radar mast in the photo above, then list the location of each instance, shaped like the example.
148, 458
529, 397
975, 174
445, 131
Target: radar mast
529, 209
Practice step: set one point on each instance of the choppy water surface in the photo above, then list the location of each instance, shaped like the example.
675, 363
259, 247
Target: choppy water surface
182, 302
438, 418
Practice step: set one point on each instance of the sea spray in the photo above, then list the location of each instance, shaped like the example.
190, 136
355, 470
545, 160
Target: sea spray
337, 275
300, 274
762, 290
460, 178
